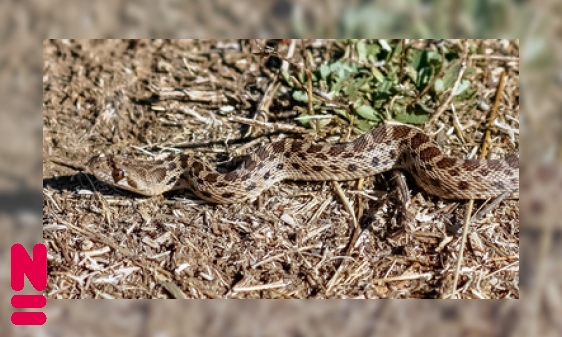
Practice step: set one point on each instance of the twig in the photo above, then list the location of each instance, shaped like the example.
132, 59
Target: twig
447, 102
347, 205
167, 93
403, 278
495, 57
493, 115
463, 244
269, 126
272, 88
491, 206
483, 154
402, 57
175, 105
315, 125
62, 162
278, 284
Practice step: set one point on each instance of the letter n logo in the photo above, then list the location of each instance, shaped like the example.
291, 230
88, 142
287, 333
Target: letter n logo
35, 268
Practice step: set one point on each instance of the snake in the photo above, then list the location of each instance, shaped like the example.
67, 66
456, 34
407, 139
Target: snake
386, 147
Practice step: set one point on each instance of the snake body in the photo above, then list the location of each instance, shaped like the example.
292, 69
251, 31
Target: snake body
384, 148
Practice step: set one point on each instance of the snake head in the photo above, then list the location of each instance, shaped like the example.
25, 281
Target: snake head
119, 172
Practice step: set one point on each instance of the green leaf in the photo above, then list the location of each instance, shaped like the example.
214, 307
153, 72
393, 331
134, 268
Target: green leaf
372, 52
321, 123
439, 85
378, 75
325, 71
364, 125
451, 75
462, 87
361, 51
303, 120
287, 77
300, 96
367, 112
410, 118
385, 86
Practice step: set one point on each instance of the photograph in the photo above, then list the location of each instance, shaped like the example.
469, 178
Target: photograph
281, 168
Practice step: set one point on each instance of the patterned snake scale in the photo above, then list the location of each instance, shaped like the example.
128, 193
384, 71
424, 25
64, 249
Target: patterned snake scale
381, 149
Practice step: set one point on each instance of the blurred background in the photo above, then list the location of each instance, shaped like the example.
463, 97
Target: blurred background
23, 26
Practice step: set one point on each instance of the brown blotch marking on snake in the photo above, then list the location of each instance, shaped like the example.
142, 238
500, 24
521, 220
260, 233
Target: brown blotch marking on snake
352, 168
260, 166
336, 150
132, 183
221, 184
429, 153
250, 164
379, 135
495, 165
376, 161
315, 148
279, 166
446, 163
171, 181
296, 165
435, 182
515, 181
512, 160
183, 162
251, 187
266, 175
287, 154
348, 155
470, 164
484, 172
392, 154
463, 185
414, 170
508, 172
317, 168
301, 155
454, 172
228, 195
296, 146
172, 166
231, 176
200, 181
211, 177
246, 177
360, 144
400, 132
499, 185
419, 139
206, 194
197, 167
477, 178
321, 156
388, 142
334, 168
278, 147
262, 153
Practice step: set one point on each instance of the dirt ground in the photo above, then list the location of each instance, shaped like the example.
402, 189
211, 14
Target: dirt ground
150, 97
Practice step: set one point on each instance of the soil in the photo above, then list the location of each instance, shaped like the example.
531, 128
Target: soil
152, 97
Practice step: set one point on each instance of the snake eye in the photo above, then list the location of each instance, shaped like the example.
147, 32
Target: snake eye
117, 175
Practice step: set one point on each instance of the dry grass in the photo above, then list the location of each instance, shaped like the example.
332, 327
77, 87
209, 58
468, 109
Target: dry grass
100, 96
